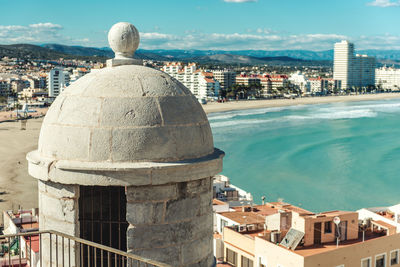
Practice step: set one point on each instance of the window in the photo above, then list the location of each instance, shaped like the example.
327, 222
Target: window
380, 260
328, 227
394, 257
246, 262
366, 262
231, 257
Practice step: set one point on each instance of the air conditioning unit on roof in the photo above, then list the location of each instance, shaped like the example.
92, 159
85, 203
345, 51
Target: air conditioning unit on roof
242, 228
251, 227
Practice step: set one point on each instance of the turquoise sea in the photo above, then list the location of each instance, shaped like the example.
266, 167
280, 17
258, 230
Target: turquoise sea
321, 157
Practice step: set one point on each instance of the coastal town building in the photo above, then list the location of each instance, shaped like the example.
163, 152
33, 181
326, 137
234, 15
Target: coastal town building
247, 79
352, 70
228, 193
280, 234
5, 88
324, 85
342, 63
226, 78
279, 81
272, 84
317, 84
22, 221
17, 85
202, 84
78, 73
301, 82
389, 216
364, 70
57, 80
387, 78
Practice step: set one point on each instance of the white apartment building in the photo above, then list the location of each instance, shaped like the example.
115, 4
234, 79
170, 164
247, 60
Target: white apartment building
225, 78
317, 84
57, 80
201, 84
301, 82
387, 78
323, 85
342, 63
352, 70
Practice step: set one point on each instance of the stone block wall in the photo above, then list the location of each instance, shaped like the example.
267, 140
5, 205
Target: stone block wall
58, 206
172, 223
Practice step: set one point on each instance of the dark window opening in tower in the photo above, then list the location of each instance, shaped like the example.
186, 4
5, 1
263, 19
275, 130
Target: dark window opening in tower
102, 218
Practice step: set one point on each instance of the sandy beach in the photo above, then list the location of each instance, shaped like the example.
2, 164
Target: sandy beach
17, 188
251, 104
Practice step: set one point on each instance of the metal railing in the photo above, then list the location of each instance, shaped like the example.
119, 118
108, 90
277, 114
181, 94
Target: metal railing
65, 250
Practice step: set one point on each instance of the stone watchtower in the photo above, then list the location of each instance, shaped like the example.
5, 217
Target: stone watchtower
126, 159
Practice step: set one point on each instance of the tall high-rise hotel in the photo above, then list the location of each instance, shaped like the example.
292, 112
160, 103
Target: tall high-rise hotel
352, 70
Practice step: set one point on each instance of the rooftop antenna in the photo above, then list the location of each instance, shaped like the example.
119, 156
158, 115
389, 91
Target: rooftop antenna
336, 221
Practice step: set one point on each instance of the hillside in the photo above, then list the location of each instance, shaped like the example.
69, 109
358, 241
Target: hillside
100, 52
29, 51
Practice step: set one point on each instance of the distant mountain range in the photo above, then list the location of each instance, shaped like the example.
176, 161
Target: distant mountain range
250, 57
235, 56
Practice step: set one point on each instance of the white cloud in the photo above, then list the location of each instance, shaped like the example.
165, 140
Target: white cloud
261, 40
240, 1
384, 3
46, 32
46, 26
258, 40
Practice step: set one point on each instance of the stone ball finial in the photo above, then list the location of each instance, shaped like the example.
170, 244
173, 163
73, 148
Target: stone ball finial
124, 39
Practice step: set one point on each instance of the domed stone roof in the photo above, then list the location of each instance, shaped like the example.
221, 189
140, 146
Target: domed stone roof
125, 125
126, 113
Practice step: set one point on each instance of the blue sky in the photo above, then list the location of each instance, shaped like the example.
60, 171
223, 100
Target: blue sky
206, 24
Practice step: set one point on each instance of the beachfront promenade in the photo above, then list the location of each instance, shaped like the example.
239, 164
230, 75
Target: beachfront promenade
12, 115
250, 104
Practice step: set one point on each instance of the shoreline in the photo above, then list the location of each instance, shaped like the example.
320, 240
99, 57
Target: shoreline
214, 107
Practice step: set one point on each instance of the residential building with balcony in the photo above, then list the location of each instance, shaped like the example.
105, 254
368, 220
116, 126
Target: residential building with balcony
57, 80
353, 70
202, 84
387, 78
280, 234
226, 78
301, 82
